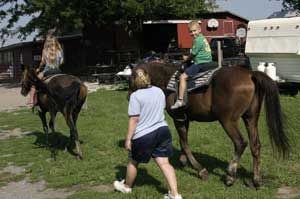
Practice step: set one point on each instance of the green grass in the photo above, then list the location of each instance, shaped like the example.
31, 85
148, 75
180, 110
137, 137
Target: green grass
102, 128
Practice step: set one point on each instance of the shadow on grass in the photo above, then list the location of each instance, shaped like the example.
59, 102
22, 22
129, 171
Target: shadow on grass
143, 178
56, 142
212, 164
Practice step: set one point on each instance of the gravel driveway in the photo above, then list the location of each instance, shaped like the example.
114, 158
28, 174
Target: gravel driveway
10, 97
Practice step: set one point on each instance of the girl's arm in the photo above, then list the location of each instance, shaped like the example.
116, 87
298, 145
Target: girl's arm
132, 123
61, 61
42, 63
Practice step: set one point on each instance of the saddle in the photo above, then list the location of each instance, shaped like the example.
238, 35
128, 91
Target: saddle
51, 74
203, 78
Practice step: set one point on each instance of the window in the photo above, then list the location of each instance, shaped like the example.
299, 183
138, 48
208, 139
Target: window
10, 59
1, 59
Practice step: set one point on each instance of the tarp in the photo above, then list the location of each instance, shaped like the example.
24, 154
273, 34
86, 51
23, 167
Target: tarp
278, 35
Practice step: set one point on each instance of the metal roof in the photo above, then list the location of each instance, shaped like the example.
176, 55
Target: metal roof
219, 10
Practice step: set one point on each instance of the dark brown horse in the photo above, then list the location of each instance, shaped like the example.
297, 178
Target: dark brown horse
61, 93
233, 93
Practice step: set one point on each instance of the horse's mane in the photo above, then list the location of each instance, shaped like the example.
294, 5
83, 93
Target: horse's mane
160, 73
35, 80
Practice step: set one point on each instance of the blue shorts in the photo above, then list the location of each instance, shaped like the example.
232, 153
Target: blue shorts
155, 144
194, 69
45, 69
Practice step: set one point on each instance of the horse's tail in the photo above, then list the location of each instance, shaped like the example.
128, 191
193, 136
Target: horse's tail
73, 100
81, 97
266, 87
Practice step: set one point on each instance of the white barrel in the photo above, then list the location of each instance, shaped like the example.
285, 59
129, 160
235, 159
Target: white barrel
271, 70
261, 66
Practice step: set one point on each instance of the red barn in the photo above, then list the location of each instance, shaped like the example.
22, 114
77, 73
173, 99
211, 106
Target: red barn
159, 34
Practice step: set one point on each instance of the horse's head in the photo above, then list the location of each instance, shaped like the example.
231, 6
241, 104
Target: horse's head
27, 80
159, 73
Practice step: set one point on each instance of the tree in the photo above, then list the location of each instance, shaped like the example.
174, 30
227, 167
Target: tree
291, 4
66, 15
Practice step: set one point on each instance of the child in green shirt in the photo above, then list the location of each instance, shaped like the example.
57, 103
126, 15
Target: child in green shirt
200, 54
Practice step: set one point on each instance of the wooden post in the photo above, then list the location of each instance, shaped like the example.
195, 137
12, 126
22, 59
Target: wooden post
220, 54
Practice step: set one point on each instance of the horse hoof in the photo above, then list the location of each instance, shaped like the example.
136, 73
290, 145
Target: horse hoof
203, 174
183, 160
79, 157
230, 181
252, 184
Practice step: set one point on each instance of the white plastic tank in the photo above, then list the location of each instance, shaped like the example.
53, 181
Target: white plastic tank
261, 66
271, 71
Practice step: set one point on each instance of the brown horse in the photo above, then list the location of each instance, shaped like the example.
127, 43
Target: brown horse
233, 93
61, 93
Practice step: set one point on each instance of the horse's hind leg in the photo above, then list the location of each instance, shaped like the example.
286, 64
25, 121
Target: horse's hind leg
182, 129
52, 126
77, 142
251, 126
45, 126
73, 133
232, 129
52, 121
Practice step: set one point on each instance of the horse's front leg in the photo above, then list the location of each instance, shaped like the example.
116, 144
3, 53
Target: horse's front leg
42, 115
183, 157
182, 129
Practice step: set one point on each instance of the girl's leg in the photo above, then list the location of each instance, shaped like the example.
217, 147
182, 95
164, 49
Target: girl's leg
169, 173
32, 97
131, 173
182, 85
41, 76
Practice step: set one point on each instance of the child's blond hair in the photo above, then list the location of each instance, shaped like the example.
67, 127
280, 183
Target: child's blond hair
140, 78
194, 23
50, 49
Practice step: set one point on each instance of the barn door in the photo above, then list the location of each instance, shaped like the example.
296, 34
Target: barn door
228, 28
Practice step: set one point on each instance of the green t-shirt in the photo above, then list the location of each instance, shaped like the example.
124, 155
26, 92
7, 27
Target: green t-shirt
201, 50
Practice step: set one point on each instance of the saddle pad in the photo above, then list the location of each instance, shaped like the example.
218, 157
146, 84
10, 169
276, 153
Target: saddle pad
201, 79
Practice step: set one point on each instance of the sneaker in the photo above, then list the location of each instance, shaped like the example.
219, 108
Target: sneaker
178, 104
120, 186
169, 196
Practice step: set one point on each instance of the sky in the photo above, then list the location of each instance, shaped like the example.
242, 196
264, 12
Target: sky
251, 9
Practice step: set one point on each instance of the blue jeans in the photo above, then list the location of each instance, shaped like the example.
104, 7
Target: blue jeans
45, 69
194, 69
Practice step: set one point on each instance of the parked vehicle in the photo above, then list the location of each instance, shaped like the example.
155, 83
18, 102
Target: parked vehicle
273, 46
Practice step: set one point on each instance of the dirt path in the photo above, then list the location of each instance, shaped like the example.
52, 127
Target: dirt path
11, 99
24, 189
